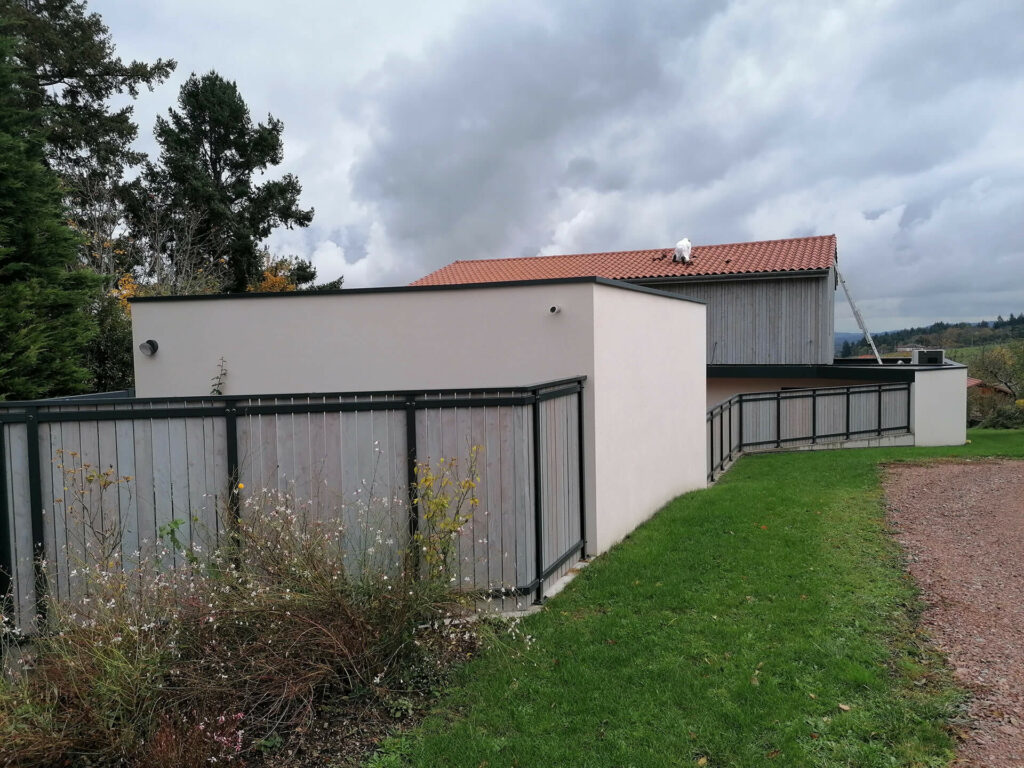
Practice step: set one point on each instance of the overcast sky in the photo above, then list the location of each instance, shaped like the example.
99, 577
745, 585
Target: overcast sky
460, 129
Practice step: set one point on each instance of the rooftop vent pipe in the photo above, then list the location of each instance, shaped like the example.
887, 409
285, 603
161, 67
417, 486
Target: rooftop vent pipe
682, 251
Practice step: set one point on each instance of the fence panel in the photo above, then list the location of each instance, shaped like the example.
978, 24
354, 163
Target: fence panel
189, 465
789, 418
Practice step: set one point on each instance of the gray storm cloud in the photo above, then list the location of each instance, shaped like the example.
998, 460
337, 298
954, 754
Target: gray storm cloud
629, 125
492, 129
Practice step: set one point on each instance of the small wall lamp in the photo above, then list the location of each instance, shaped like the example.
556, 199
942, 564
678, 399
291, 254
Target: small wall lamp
149, 347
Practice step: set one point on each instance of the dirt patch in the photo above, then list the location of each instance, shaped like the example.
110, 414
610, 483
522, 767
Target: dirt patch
962, 526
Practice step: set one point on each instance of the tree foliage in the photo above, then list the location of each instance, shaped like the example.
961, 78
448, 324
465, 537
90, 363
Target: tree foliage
44, 301
945, 335
1002, 365
71, 73
210, 155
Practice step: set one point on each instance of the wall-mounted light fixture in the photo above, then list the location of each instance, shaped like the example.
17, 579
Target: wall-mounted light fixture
149, 347
554, 309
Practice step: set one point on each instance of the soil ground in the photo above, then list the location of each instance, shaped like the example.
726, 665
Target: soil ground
962, 527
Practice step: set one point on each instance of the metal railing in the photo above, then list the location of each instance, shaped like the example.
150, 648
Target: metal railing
791, 417
192, 459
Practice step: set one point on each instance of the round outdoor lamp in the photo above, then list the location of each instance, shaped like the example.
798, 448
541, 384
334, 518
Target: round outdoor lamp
149, 347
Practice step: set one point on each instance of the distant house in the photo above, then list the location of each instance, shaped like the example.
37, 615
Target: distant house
981, 387
769, 302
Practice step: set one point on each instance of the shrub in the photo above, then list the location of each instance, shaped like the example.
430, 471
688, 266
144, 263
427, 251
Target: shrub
1010, 416
982, 404
179, 667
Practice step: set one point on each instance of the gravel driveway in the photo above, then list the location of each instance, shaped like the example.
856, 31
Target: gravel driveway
962, 526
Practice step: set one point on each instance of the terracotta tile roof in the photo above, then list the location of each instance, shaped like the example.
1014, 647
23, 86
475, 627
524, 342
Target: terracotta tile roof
793, 255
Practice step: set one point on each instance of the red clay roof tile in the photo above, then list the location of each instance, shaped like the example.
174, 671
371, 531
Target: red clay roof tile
793, 255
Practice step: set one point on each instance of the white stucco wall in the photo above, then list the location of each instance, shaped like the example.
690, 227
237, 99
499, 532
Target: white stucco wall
940, 406
649, 374
352, 341
643, 354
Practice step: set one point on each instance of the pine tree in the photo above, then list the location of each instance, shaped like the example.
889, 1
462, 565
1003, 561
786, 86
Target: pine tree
210, 153
45, 322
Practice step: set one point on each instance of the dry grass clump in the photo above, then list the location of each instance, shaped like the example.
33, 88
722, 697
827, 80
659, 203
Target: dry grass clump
156, 666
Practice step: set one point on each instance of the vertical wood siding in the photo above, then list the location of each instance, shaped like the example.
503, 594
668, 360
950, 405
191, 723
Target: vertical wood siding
766, 321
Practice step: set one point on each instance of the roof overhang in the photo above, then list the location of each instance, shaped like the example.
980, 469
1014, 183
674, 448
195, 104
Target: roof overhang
744, 276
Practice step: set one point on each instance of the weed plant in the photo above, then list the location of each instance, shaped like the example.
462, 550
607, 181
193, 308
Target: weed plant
143, 664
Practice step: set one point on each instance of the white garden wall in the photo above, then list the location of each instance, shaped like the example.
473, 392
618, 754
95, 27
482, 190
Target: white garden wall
642, 351
940, 405
649, 374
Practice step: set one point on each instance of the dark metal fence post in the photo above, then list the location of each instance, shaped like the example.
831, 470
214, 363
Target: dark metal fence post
847, 413
410, 469
740, 447
583, 472
35, 499
814, 416
538, 516
711, 446
6, 551
778, 419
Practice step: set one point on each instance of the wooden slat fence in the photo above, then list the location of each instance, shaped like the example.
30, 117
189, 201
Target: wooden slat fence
193, 463
759, 421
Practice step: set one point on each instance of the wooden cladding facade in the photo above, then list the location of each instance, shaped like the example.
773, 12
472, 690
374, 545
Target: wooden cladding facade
767, 320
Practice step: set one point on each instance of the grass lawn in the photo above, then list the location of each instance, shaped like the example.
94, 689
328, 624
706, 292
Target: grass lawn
764, 621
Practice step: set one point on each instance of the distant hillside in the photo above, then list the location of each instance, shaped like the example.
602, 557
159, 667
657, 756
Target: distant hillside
940, 335
841, 337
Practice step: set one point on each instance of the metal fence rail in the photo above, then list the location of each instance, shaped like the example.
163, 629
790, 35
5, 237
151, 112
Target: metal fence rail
791, 417
190, 460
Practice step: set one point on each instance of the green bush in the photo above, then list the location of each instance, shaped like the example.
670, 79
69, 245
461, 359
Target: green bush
154, 667
1010, 416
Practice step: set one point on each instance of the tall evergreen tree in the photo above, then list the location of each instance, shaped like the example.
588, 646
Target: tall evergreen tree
210, 154
71, 72
44, 319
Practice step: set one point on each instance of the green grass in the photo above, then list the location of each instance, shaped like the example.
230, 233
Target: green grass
730, 628
967, 355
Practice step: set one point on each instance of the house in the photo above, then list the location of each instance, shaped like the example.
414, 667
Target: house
639, 420
769, 302
983, 388
770, 318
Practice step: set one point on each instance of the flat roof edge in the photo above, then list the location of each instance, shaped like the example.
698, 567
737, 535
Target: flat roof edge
809, 370
418, 289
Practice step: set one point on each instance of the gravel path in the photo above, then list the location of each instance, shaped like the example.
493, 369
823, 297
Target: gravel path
962, 526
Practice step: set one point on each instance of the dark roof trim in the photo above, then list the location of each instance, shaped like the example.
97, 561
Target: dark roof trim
419, 289
199, 400
730, 277
868, 373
